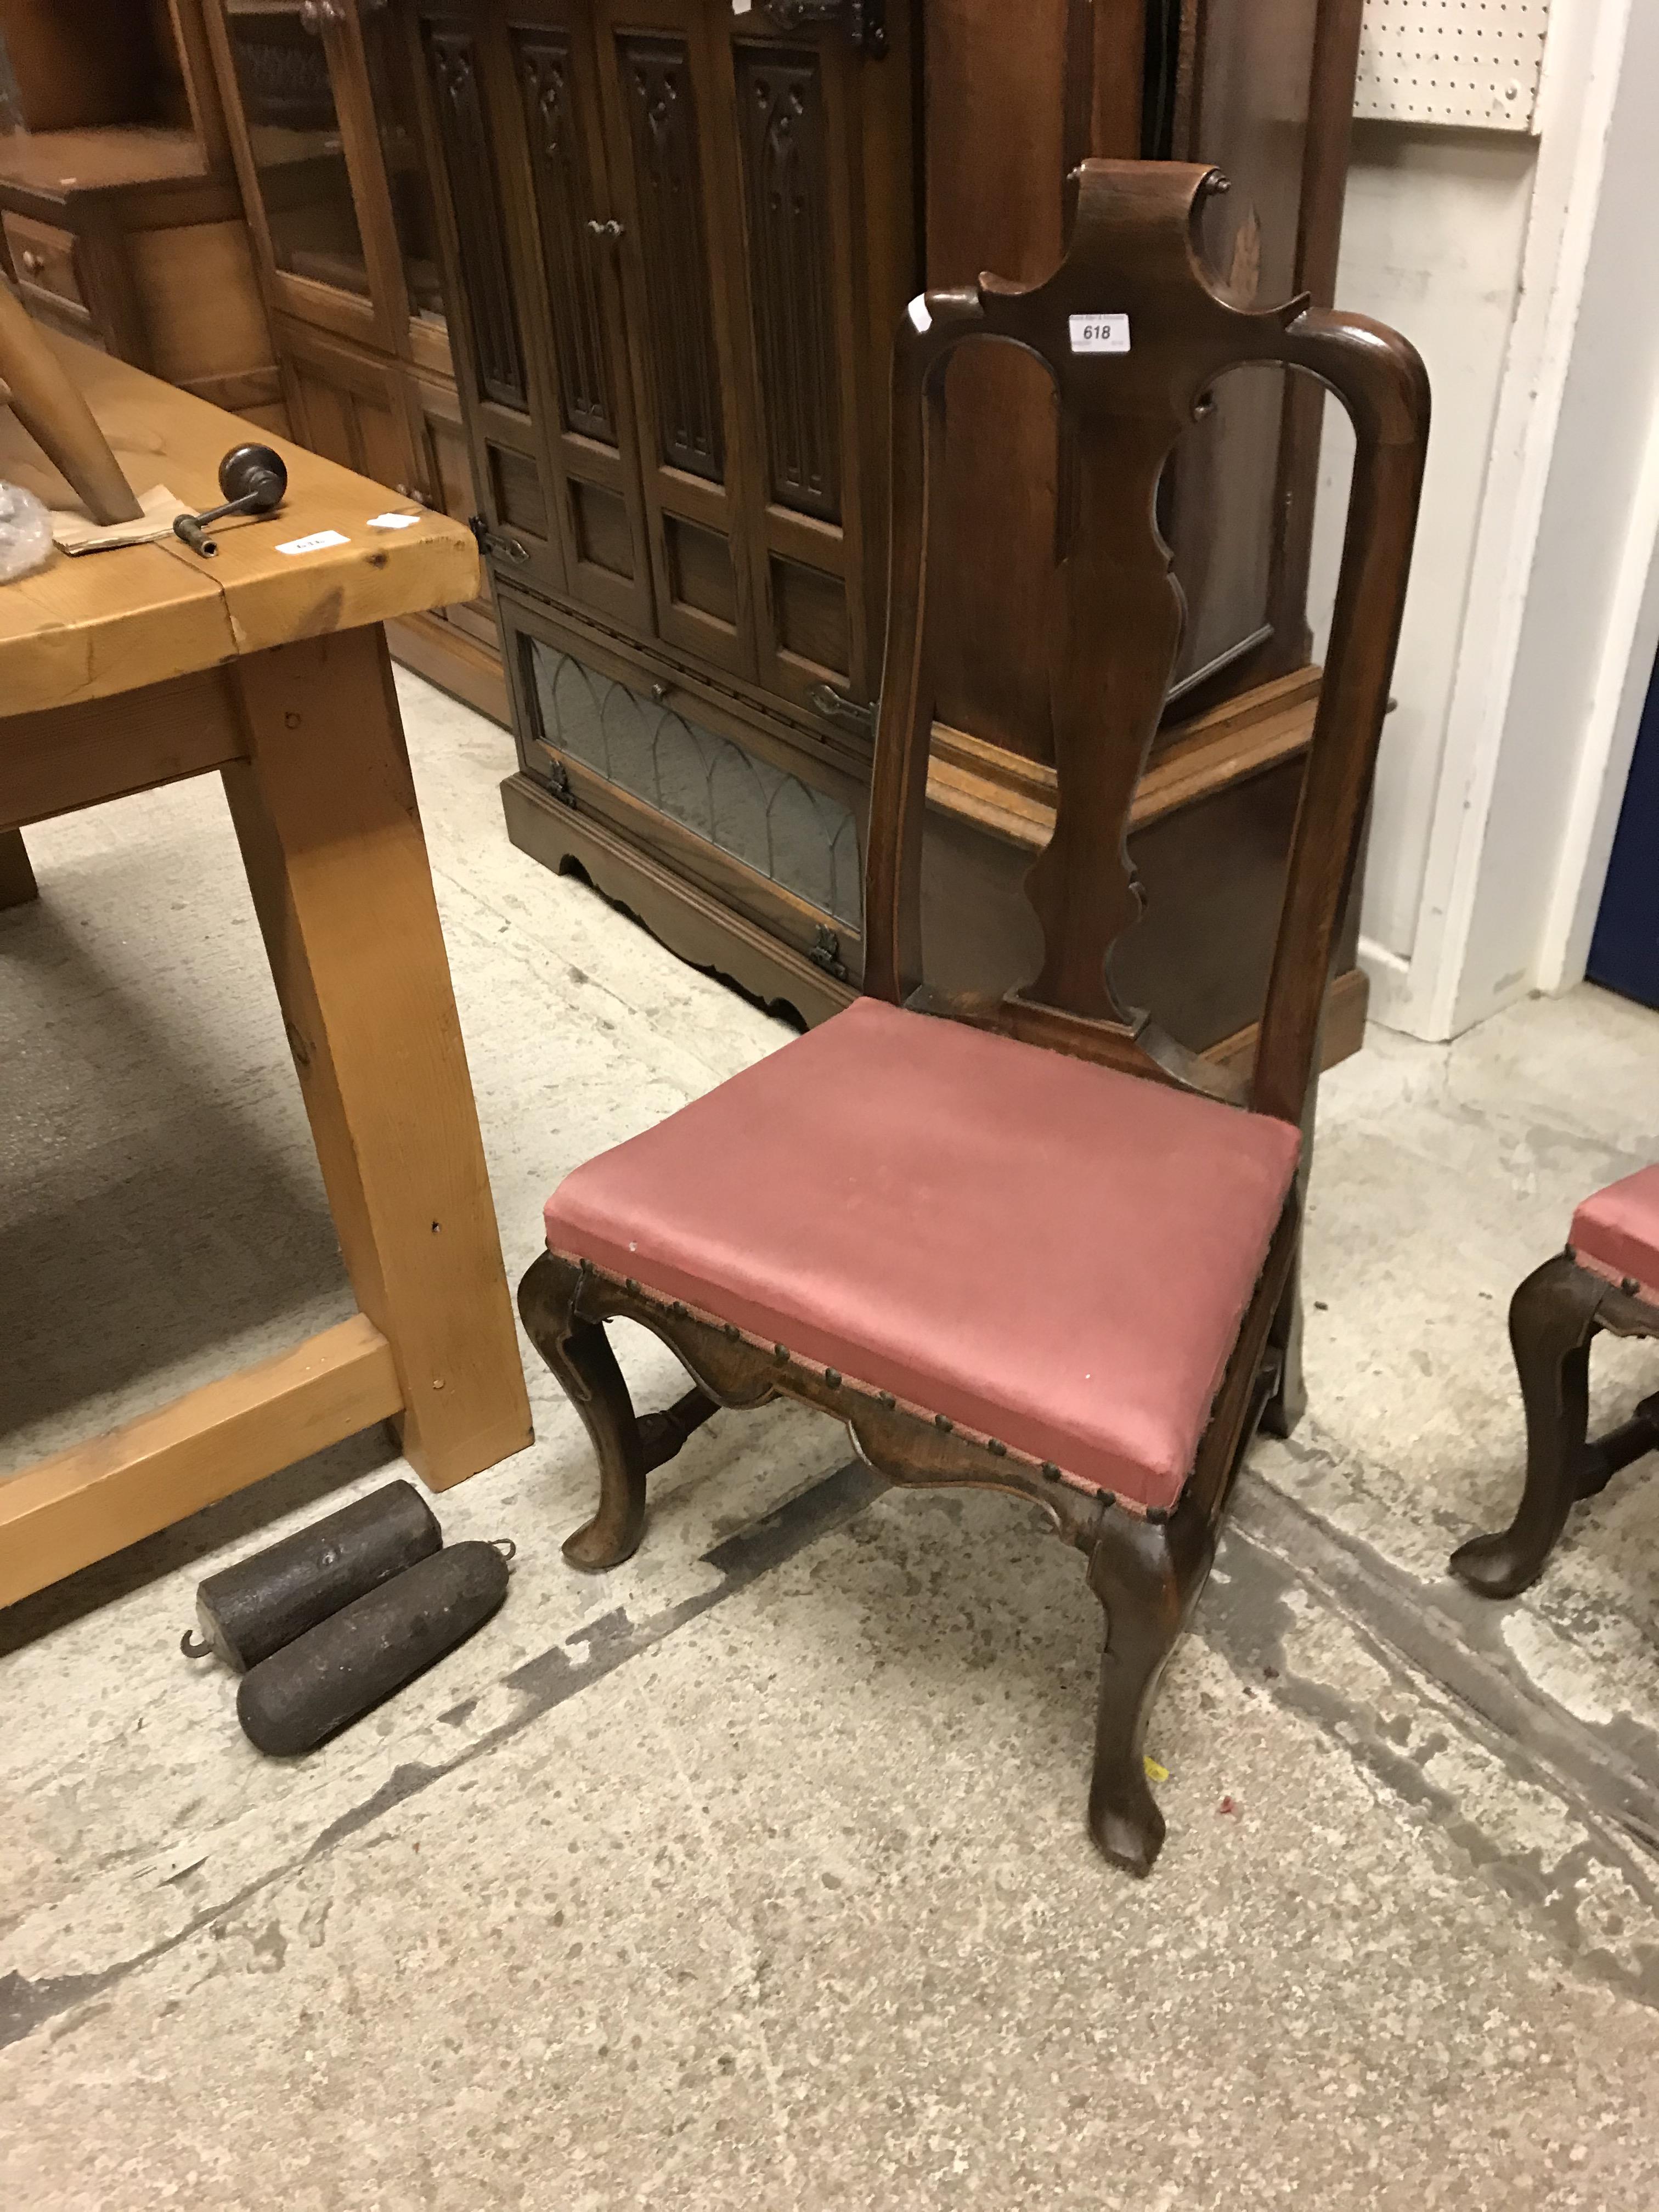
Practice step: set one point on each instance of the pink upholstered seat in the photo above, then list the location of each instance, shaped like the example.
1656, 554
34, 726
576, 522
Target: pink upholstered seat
1040, 1250
1617, 1232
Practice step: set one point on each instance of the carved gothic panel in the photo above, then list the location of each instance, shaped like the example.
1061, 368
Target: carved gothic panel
786, 193
564, 206
663, 128
480, 223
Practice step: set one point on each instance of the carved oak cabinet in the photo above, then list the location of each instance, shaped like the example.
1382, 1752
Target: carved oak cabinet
677, 236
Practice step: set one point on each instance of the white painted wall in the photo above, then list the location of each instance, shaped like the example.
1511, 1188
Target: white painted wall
1432, 236
1526, 273
1585, 649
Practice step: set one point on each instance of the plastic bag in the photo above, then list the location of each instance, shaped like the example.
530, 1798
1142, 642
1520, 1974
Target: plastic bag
25, 533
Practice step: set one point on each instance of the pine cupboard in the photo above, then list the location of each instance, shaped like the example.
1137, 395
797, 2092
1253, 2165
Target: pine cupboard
120, 222
319, 105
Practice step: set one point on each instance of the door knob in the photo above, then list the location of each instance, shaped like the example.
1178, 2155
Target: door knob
33, 262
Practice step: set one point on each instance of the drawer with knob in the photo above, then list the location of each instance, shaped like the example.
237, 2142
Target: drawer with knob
44, 259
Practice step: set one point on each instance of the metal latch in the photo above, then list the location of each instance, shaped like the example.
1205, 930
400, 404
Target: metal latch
864, 20
491, 541
558, 778
835, 707
825, 953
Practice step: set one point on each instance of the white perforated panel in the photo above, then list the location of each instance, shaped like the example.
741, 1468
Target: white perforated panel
1469, 62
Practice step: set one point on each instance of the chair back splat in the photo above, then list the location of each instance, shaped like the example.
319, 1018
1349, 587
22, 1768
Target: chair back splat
1134, 332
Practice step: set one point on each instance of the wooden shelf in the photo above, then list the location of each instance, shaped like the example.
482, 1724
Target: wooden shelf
112, 158
1014, 798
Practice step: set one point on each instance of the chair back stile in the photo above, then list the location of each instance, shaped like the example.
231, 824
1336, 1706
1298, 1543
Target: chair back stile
1134, 332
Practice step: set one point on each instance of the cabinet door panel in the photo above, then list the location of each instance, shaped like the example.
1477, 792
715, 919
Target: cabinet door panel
813, 188
592, 450
547, 63
469, 151
797, 116
658, 98
349, 405
788, 231
665, 76
388, 80
309, 166
445, 469
465, 101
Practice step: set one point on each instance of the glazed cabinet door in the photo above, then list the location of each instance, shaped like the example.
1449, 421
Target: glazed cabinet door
388, 66
302, 128
466, 99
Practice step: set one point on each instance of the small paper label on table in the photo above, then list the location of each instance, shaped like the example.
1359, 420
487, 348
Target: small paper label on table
315, 543
1100, 333
392, 522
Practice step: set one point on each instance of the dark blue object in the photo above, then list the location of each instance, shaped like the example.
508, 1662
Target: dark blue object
1624, 950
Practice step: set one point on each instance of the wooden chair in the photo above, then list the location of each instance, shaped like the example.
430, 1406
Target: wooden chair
1607, 1279
57, 417
1042, 1249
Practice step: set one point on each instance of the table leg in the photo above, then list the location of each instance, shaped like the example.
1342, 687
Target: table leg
17, 885
325, 814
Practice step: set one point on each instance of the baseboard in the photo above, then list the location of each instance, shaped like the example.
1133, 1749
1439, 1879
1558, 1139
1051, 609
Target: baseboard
1342, 1035
678, 914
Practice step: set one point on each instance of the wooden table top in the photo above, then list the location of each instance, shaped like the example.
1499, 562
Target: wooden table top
108, 623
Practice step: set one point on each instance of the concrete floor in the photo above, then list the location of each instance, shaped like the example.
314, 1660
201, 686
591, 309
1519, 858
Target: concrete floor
754, 1874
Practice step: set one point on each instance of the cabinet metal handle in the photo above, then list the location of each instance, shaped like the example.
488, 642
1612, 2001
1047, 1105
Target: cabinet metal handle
491, 541
864, 20
835, 707
610, 230
33, 262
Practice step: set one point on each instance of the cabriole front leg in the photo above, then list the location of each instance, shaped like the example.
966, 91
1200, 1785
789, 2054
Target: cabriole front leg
1551, 1321
1147, 1576
579, 1354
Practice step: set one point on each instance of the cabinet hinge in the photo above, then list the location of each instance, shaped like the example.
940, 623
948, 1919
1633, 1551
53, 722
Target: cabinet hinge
864, 20
491, 541
826, 953
835, 707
